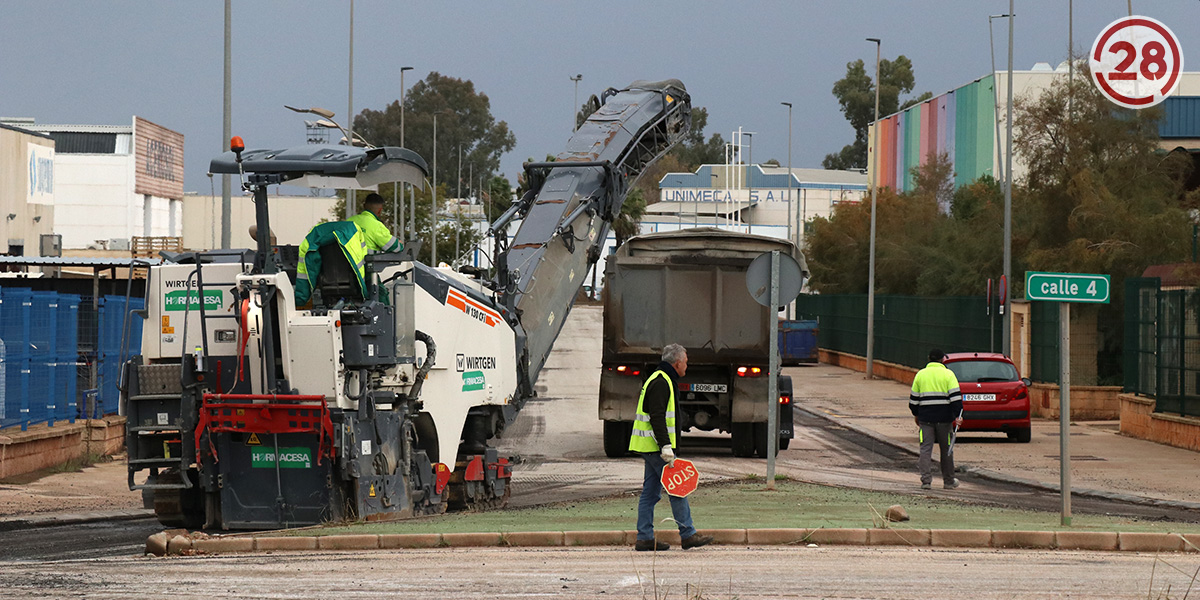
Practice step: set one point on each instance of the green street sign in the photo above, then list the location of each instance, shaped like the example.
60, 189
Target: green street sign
1067, 287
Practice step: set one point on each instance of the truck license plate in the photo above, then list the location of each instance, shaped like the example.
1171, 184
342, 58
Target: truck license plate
715, 388
979, 397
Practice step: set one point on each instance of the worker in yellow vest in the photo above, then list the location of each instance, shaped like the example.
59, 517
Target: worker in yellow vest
936, 405
374, 231
655, 436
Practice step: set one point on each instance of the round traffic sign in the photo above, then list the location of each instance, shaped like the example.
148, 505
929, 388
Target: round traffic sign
758, 279
1136, 61
681, 478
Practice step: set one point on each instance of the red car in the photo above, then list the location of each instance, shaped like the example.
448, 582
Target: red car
995, 396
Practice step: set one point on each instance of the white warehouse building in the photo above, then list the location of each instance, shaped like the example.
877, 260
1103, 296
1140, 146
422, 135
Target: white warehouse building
114, 182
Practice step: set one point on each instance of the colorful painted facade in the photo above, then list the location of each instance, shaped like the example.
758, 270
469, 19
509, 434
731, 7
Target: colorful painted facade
959, 124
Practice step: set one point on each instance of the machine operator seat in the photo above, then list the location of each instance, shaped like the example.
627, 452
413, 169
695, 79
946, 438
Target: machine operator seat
336, 281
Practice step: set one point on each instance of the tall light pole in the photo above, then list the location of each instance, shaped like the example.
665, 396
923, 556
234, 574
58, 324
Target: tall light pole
433, 214
793, 236
749, 178
1005, 318
227, 130
457, 204
871, 267
996, 94
575, 107
411, 222
351, 200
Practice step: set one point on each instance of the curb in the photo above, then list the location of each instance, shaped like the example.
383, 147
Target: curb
55, 519
1005, 478
1105, 541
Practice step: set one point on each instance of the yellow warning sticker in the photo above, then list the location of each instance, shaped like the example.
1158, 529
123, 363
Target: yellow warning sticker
166, 320
168, 330
372, 490
253, 441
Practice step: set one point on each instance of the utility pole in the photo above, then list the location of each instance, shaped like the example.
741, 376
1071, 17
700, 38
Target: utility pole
433, 214
411, 223
1005, 317
227, 130
871, 267
793, 236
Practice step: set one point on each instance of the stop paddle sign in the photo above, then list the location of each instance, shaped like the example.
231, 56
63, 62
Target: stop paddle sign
680, 479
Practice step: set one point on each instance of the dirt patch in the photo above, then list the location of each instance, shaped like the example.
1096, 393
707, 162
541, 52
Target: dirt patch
99, 487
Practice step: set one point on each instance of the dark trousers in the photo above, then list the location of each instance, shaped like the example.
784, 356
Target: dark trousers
939, 432
651, 492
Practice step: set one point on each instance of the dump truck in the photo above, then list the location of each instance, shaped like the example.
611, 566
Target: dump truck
252, 405
689, 287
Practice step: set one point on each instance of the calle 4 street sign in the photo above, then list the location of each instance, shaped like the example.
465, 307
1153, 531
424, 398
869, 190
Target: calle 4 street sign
1067, 287
681, 478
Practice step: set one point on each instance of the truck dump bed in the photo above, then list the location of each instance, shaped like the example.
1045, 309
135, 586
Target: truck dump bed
687, 287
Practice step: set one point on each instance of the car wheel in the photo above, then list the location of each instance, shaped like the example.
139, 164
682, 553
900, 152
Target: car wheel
1021, 436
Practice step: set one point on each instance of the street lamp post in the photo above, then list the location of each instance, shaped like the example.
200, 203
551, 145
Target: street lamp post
457, 204
410, 221
433, 215
749, 178
1005, 318
575, 107
871, 266
995, 92
793, 236
351, 200
227, 129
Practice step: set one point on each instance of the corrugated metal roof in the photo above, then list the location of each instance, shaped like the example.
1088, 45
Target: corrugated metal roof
74, 142
80, 128
76, 261
11, 127
1181, 118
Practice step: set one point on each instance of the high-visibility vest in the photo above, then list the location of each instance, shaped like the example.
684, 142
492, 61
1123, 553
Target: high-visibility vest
934, 389
642, 439
376, 233
348, 236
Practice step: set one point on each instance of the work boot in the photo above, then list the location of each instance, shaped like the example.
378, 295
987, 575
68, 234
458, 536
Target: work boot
926, 486
650, 545
696, 541
950, 484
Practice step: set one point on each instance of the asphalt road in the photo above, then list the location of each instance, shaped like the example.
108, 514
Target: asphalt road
712, 572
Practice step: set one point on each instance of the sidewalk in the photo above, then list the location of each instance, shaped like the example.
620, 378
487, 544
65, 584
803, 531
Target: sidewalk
1102, 460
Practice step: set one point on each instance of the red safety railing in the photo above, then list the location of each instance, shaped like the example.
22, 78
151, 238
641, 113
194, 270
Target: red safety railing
279, 414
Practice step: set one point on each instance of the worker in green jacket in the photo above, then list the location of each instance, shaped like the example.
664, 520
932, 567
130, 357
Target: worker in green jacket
374, 231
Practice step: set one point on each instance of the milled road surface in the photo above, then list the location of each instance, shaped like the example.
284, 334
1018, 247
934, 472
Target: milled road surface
713, 572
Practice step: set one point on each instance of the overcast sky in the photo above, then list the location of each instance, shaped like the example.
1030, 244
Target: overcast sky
89, 62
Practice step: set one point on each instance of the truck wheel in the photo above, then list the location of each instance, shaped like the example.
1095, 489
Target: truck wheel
760, 440
616, 438
1021, 436
742, 435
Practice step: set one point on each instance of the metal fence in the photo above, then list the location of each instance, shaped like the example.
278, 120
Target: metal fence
906, 327
47, 354
1162, 345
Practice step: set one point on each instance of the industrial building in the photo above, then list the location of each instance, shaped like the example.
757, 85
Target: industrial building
752, 198
112, 182
966, 122
27, 191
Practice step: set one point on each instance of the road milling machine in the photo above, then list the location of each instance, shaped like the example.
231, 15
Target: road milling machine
379, 397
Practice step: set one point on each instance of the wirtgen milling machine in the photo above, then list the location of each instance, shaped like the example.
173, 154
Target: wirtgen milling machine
248, 411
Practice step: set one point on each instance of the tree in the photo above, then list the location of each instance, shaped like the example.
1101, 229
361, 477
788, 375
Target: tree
856, 95
464, 118
694, 150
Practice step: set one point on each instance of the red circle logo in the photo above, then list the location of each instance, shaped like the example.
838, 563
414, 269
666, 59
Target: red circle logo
1136, 61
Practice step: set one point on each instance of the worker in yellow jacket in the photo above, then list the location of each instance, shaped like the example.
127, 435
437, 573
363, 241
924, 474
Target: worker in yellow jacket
936, 405
378, 237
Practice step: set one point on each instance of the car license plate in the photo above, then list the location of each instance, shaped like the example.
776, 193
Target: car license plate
979, 397
715, 388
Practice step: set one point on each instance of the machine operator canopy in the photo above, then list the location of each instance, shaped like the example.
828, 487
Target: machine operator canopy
326, 166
